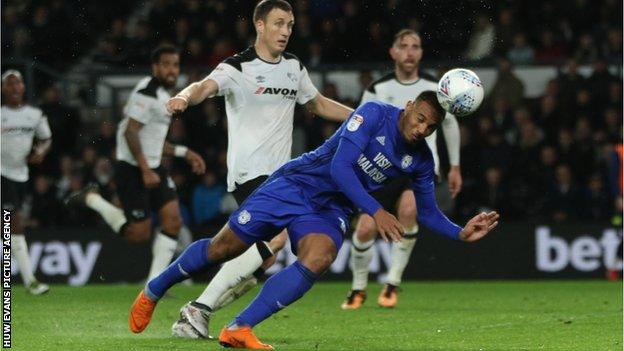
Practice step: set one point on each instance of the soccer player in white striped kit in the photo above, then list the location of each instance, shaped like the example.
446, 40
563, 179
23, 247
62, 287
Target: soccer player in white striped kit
396, 88
261, 86
21, 125
143, 185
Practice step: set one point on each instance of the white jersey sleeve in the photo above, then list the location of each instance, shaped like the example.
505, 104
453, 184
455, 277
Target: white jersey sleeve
307, 90
224, 75
450, 128
368, 96
42, 131
138, 108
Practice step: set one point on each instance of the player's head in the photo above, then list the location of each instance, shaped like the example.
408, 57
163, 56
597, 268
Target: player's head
166, 65
12, 87
406, 50
274, 21
421, 117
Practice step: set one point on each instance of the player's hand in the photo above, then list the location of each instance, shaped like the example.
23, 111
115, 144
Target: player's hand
388, 226
35, 158
176, 105
151, 179
198, 166
454, 181
479, 226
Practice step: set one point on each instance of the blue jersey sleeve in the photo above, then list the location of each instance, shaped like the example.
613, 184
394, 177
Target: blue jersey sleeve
363, 123
344, 176
429, 214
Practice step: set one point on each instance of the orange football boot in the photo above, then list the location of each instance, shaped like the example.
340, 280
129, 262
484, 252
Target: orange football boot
141, 313
241, 338
388, 297
354, 300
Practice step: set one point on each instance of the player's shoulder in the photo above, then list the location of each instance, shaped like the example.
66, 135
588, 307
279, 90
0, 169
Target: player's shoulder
377, 110
236, 60
291, 57
372, 87
148, 87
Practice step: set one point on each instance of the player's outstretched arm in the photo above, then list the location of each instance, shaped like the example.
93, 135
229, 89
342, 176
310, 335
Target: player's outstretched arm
328, 108
479, 226
192, 95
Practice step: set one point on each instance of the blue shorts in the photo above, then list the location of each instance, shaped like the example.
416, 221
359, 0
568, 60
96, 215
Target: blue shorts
280, 204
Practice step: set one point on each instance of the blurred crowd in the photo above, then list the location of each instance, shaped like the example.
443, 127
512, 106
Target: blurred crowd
56, 32
551, 158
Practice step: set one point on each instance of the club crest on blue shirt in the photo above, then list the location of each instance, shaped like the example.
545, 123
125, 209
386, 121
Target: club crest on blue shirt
355, 123
244, 217
406, 161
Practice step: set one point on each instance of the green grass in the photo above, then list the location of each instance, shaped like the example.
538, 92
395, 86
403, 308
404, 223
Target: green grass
493, 315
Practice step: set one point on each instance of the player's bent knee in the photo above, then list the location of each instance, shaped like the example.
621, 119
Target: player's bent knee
318, 264
366, 229
408, 211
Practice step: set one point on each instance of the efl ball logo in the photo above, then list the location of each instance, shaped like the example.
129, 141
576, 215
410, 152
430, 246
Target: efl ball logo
460, 92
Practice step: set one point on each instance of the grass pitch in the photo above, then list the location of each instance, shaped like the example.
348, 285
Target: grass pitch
492, 315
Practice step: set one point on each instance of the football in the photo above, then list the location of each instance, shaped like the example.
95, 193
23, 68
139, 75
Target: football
460, 92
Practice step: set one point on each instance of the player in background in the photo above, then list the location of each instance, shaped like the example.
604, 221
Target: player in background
143, 185
21, 124
261, 86
313, 196
397, 88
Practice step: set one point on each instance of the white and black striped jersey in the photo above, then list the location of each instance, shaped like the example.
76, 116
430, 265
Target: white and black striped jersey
19, 127
146, 105
260, 99
390, 90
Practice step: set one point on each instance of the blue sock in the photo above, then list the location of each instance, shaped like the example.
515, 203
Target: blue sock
279, 291
192, 260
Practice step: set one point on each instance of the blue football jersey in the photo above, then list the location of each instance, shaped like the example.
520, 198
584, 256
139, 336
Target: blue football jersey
373, 128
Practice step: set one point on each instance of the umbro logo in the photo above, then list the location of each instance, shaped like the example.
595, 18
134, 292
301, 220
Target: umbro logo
381, 140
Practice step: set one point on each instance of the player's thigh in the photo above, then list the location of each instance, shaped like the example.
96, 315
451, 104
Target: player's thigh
226, 245
170, 218
365, 228
407, 208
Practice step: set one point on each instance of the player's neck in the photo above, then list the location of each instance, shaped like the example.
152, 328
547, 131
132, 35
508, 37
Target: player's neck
15, 105
406, 77
265, 54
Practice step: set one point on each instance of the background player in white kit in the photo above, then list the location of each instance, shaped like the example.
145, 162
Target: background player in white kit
260, 86
21, 124
397, 88
143, 185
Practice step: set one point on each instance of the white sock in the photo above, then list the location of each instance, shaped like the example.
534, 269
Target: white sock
361, 257
112, 215
19, 248
185, 238
162, 253
230, 274
400, 255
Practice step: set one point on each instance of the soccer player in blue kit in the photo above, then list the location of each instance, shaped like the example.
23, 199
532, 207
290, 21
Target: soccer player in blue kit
313, 196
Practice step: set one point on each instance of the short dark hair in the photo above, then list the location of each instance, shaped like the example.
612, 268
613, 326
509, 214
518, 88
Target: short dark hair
162, 50
263, 8
431, 98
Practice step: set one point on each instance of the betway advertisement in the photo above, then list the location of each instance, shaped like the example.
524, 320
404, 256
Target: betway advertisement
513, 251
